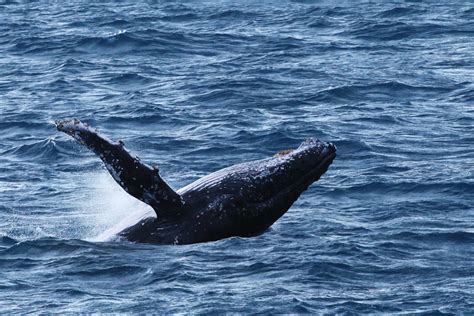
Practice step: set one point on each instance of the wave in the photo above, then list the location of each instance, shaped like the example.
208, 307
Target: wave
396, 188
400, 12
45, 248
6, 241
127, 81
19, 125
118, 43
179, 18
335, 11
387, 91
37, 45
226, 95
319, 22
468, 13
233, 15
463, 95
116, 23
135, 117
147, 40
397, 30
454, 237
353, 148
42, 150
126, 270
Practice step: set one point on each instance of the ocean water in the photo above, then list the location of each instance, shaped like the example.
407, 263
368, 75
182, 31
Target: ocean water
196, 86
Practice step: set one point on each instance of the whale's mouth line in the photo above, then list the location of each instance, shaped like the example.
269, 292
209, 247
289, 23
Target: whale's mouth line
312, 176
320, 168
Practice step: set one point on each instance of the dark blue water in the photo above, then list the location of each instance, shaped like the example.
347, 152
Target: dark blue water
194, 87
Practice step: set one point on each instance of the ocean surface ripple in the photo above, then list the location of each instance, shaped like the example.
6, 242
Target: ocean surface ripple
197, 86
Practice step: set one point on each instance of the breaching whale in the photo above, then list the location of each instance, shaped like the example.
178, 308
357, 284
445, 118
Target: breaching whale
240, 200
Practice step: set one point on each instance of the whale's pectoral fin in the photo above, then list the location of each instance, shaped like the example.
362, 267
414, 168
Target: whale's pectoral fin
138, 179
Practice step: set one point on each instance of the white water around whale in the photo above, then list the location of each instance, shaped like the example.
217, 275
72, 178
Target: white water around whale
109, 208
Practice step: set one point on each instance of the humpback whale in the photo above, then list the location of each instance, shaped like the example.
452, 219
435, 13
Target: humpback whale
241, 200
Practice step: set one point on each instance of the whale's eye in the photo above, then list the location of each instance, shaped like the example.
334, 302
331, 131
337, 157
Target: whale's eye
283, 152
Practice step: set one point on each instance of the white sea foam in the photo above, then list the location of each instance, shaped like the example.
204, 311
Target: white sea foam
109, 209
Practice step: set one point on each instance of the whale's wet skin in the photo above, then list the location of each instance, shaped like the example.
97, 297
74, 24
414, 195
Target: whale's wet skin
241, 200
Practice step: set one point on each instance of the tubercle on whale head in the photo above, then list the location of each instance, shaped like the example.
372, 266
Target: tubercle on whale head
315, 143
314, 151
283, 152
309, 151
302, 166
307, 144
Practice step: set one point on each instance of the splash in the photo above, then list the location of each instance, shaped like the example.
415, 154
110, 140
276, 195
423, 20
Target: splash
108, 209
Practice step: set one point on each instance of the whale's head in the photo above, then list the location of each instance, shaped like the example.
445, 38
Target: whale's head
251, 196
290, 172
278, 182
